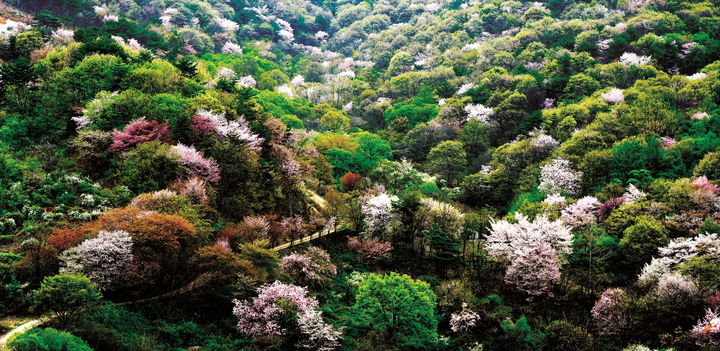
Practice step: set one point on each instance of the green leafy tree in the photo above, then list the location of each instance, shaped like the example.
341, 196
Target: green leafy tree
422, 108
642, 240
518, 336
563, 336
510, 113
67, 296
448, 159
400, 308
335, 121
150, 167
709, 166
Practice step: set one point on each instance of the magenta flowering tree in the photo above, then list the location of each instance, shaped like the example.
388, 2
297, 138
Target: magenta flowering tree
137, 132
608, 206
707, 330
197, 164
265, 317
702, 183
609, 311
535, 271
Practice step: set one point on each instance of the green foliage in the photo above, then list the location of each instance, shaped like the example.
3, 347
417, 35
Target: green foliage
709, 166
400, 308
447, 159
421, 108
518, 336
67, 296
149, 167
563, 336
48, 339
363, 158
641, 240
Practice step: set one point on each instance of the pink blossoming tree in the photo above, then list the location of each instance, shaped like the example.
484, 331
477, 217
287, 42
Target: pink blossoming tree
197, 164
535, 271
609, 311
137, 132
262, 318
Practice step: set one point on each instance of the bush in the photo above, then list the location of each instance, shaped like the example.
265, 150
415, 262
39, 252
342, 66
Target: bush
48, 339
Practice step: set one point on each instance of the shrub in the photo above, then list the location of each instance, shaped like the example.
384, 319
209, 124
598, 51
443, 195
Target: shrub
48, 339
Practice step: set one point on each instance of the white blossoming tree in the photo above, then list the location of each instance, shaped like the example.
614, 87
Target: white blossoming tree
559, 177
378, 215
102, 259
510, 240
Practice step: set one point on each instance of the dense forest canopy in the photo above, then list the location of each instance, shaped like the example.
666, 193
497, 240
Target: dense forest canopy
359, 175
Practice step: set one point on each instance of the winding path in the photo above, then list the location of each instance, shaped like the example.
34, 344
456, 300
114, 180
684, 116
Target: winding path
198, 282
21, 329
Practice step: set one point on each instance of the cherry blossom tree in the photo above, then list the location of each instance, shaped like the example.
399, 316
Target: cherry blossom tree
676, 289
534, 271
378, 216
633, 59
63, 36
231, 48
463, 320
205, 121
262, 318
137, 132
613, 96
707, 330
198, 165
479, 112
510, 240
311, 268
102, 259
582, 213
677, 251
193, 188
558, 176
609, 311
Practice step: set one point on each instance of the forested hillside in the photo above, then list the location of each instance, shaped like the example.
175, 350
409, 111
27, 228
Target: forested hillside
487, 175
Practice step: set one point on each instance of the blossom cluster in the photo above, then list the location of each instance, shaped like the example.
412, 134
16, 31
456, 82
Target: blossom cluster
479, 112
609, 311
463, 320
137, 132
370, 248
582, 213
558, 177
377, 211
102, 259
613, 96
197, 164
676, 252
207, 121
707, 330
534, 271
510, 240
633, 59
261, 316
